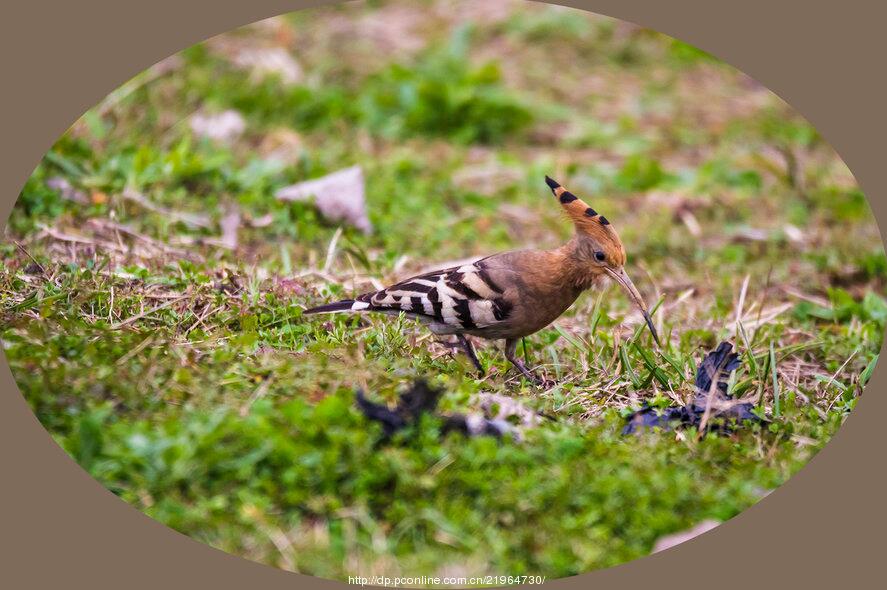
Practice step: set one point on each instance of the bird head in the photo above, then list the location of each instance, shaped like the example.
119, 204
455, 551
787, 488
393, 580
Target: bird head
598, 246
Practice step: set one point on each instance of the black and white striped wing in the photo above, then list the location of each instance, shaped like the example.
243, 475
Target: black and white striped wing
455, 299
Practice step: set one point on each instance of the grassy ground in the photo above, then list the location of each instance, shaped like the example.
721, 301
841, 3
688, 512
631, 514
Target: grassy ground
179, 372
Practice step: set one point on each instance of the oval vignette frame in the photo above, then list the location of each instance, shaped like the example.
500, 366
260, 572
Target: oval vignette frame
876, 378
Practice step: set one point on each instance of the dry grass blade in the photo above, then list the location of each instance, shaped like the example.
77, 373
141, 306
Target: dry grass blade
139, 316
156, 71
64, 237
199, 321
258, 394
820, 301
739, 306
835, 376
28, 254
767, 316
710, 396
331, 250
106, 226
190, 219
775, 374
134, 351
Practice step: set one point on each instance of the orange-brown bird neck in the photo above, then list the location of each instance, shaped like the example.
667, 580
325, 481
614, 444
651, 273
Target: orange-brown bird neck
573, 264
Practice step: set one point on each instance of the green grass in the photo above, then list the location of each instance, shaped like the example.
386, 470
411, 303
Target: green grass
183, 377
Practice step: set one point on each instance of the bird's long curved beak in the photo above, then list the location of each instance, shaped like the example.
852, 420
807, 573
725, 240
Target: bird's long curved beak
620, 277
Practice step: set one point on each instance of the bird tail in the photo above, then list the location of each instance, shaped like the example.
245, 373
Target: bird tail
338, 306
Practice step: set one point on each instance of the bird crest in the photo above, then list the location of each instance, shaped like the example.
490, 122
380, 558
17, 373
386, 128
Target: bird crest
589, 223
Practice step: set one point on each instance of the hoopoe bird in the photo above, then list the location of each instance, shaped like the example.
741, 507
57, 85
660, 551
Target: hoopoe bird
509, 295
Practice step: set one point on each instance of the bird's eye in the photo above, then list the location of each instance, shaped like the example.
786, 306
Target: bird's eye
600, 256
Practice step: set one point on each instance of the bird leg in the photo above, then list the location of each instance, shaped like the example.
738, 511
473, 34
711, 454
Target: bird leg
462, 344
469, 350
510, 350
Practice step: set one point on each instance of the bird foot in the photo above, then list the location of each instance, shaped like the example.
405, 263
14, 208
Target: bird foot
547, 383
540, 382
461, 345
532, 376
452, 348
544, 383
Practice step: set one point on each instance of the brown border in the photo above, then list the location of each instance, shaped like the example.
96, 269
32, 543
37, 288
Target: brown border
58, 527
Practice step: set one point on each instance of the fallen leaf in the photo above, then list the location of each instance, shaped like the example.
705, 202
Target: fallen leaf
282, 145
339, 196
390, 30
669, 541
264, 61
691, 222
230, 223
502, 407
287, 287
64, 188
225, 126
750, 234
263, 221
793, 233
